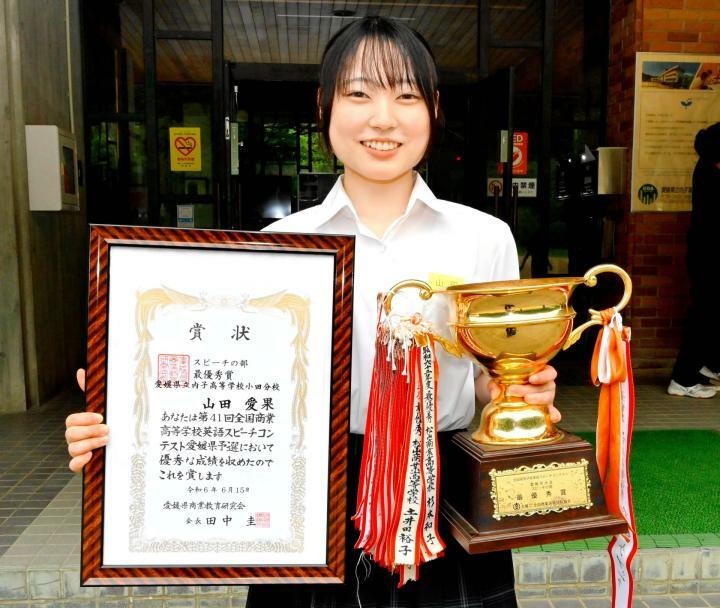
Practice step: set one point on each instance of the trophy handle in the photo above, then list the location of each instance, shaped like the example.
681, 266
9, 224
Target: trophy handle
426, 292
595, 318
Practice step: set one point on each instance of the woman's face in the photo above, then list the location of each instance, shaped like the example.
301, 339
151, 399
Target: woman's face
379, 133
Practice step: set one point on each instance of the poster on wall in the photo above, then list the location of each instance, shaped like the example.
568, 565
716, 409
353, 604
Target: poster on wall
676, 95
185, 149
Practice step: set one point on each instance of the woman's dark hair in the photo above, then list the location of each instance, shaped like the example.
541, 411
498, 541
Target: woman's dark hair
392, 53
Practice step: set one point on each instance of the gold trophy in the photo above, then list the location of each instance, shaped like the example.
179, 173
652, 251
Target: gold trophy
518, 480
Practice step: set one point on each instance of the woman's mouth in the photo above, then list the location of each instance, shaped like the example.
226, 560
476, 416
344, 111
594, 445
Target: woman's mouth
381, 146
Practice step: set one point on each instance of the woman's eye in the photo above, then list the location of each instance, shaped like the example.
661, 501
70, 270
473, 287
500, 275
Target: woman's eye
409, 96
358, 94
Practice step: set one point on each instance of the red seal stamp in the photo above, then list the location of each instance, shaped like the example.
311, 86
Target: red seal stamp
173, 368
262, 519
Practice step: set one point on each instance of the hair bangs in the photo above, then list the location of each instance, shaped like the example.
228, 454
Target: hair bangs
379, 61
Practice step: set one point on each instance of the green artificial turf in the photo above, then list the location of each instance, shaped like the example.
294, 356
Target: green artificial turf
676, 481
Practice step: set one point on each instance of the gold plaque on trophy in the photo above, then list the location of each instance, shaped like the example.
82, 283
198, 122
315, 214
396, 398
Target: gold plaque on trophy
540, 489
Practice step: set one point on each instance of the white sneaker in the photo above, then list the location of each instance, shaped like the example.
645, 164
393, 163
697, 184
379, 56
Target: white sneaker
708, 373
699, 391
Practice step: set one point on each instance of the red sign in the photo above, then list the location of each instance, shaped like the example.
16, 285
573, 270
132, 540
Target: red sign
520, 154
185, 145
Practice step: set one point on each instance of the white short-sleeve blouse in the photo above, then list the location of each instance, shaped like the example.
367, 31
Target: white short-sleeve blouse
432, 237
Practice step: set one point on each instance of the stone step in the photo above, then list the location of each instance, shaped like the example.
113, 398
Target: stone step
657, 572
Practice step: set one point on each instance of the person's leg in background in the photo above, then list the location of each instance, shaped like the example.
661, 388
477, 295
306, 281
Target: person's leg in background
699, 350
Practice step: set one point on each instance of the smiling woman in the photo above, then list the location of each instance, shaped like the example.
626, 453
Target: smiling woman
379, 113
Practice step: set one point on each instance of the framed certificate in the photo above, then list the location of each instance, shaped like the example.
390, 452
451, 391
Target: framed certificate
221, 362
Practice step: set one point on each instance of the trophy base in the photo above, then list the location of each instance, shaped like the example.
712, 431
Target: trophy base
516, 496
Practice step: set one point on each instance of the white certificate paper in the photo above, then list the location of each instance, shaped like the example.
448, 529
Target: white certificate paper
218, 403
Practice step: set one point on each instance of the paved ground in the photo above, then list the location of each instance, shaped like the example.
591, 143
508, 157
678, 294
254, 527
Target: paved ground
654, 409
33, 464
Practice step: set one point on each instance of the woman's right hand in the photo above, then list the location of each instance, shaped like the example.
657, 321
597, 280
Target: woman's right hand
84, 433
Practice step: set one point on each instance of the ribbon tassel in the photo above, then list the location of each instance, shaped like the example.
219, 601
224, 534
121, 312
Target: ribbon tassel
398, 493
612, 370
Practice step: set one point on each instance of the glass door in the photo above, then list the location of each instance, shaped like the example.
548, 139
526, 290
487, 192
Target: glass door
277, 163
506, 129
492, 103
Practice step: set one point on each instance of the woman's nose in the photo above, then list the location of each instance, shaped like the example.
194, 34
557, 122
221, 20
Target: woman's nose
382, 116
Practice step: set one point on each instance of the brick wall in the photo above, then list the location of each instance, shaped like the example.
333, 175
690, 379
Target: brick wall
651, 246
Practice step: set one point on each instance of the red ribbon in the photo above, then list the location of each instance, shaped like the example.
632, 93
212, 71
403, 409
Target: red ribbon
611, 369
398, 493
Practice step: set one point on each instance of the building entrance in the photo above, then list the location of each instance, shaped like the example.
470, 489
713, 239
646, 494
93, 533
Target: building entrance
202, 113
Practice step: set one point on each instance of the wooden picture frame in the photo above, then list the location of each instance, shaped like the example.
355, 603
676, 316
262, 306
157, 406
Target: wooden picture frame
138, 525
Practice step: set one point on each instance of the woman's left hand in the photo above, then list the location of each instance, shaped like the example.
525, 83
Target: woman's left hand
540, 390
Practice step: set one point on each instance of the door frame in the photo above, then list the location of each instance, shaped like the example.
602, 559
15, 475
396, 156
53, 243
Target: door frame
218, 111
486, 42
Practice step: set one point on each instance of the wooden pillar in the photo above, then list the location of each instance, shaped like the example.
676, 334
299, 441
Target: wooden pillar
18, 361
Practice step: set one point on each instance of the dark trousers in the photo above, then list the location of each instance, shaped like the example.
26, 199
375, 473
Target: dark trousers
701, 336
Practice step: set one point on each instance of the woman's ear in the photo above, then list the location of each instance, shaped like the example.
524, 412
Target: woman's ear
318, 97
437, 103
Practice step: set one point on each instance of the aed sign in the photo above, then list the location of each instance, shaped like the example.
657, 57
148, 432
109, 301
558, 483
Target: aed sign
520, 154
185, 149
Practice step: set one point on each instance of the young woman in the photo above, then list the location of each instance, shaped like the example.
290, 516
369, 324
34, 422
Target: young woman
379, 112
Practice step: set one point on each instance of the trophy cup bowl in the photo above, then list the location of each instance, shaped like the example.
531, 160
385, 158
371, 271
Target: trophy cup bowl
518, 480
513, 328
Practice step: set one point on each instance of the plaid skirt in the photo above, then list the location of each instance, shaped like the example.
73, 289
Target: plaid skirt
456, 580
